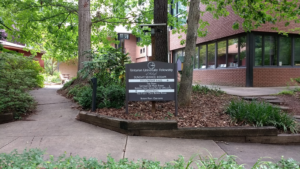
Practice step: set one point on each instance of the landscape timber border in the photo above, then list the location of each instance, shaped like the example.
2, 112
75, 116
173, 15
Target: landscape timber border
168, 128
6, 117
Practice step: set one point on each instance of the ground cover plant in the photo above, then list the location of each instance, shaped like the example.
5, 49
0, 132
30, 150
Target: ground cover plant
18, 74
34, 158
261, 114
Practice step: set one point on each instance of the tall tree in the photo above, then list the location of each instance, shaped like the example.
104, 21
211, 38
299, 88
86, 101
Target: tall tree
84, 39
161, 32
185, 88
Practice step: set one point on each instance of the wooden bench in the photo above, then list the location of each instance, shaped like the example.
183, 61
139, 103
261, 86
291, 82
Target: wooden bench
64, 78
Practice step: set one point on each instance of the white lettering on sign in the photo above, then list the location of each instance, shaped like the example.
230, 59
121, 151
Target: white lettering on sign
152, 91
150, 80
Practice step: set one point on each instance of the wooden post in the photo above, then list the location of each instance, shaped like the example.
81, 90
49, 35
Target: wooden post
153, 106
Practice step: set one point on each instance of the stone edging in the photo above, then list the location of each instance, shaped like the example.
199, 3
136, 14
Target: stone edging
168, 128
5, 118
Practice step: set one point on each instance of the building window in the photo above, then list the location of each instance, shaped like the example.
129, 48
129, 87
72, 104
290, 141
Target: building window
196, 58
258, 41
211, 49
202, 57
297, 51
221, 60
285, 51
123, 36
177, 11
242, 50
232, 59
270, 51
143, 50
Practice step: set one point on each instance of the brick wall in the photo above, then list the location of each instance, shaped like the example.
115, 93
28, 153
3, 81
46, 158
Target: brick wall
224, 77
222, 27
271, 77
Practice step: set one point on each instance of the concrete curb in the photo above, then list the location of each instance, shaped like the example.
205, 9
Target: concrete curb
168, 128
5, 118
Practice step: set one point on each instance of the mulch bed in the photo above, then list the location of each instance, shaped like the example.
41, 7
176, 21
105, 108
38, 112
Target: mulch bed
292, 101
206, 110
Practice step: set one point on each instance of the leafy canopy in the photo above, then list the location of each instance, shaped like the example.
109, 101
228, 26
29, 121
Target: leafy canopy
52, 25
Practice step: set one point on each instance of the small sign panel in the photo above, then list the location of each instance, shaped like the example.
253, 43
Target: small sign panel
151, 81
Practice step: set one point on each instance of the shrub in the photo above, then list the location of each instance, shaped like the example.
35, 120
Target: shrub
18, 74
111, 97
205, 90
34, 158
84, 97
261, 114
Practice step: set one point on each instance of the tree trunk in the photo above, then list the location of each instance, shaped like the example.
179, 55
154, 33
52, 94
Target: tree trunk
84, 32
161, 39
185, 90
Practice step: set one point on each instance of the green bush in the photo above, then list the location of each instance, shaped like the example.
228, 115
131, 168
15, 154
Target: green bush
111, 97
205, 90
18, 74
261, 114
34, 158
84, 97
286, 92
68, 84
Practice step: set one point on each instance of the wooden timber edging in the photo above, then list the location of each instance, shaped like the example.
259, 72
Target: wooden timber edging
168, 128
5, 118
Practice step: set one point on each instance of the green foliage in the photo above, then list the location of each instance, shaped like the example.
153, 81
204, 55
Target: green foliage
50, 66
18, 74
108, 66
111, 97
206, 90
297, 79
261, 114
286, 92
68, 84
84, 97
54, 23
34, 158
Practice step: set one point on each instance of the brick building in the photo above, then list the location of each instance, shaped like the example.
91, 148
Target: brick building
235, 58
20, 49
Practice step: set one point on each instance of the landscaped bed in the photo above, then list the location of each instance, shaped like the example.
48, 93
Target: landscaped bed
206, 110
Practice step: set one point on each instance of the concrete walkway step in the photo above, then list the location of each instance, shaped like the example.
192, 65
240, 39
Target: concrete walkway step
297, 117
278, 102
269, 97
284, 108
250, 98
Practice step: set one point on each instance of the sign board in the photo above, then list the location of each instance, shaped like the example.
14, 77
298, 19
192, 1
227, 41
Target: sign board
151, 81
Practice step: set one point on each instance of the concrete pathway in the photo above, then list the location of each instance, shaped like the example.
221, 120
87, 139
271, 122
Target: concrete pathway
251, 91
55, 129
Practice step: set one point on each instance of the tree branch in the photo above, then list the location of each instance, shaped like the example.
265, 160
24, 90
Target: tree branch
5, 26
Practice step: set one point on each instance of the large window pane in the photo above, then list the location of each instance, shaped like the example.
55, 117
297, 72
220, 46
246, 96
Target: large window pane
222, 54
243, 49
233, 52
196, 58
270, 57
297, 51
258, 50
285, 52
211, 55
178, 54
202, 57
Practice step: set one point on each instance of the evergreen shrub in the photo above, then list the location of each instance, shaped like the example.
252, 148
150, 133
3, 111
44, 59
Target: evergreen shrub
18, 74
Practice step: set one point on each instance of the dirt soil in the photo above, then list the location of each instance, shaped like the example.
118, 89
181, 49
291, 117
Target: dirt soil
292, 101
206, 110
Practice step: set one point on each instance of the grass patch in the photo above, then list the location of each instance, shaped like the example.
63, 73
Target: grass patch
286, 92
261, 114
